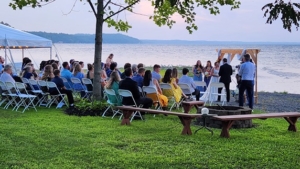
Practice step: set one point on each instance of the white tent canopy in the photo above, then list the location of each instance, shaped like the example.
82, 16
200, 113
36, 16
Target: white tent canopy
13, 38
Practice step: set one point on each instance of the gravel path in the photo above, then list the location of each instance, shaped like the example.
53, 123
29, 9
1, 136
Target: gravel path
275, 102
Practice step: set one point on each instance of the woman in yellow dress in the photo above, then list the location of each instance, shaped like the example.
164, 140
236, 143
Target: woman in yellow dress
151, 82
175, 88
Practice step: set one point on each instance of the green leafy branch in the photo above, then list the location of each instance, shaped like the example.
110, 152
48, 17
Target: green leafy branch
289, 13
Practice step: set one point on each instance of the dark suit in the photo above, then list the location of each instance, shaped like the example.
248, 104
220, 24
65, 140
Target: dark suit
225, 73
131, 85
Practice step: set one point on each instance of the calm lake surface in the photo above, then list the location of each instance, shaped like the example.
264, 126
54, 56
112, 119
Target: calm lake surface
278, 65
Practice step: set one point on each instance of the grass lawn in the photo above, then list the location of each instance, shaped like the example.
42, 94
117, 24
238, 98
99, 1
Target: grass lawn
50, 139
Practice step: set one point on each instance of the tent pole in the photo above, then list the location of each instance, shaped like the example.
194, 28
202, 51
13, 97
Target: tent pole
5, 62
51, 53
256, 94
22, 53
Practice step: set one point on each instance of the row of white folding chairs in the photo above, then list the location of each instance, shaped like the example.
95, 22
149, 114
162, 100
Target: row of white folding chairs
45, 96
17, 96
83, 83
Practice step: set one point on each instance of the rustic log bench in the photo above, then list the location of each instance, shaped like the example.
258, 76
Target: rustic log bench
184, 117
187, 105
227, 121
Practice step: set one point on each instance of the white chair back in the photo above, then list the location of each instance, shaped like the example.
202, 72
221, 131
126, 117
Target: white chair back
217, 85
87, 81
64, 79
75, 80
21, 88
185, 88
2, 85
165, 86
149, 89
9, 86
126, 93
200, 83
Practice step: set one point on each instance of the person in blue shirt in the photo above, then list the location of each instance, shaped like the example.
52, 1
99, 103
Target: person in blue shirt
139, 78
78, 74
65, 72
112, 67
155, 72
247, 74
61, 87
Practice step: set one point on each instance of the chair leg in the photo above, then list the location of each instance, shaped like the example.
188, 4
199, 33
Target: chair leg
103, 115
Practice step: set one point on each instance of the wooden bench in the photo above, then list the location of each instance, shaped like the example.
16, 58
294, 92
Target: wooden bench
187, 105
227, 121
184, 117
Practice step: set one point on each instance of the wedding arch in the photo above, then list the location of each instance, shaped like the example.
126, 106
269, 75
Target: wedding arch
231, 53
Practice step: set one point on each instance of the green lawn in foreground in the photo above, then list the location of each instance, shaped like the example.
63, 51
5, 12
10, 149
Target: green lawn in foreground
50, 139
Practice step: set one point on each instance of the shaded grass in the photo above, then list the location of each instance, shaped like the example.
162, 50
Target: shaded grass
50, 139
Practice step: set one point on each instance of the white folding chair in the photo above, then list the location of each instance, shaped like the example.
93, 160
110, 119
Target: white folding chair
201, 84
141, 91
26, 99
126, 93
13, 94
66, 83
185, 88
217, 85
151, 92
38, 92
112, 94
4, 96
167, 87
54, 97
44, 88
88, 88
77, 85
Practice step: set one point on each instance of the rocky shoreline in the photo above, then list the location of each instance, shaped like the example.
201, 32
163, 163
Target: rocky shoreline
275, 102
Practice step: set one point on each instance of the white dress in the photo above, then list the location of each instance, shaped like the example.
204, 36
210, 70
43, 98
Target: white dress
207, 95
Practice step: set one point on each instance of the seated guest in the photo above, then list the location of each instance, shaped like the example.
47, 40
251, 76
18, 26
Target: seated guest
139, 77
109, 59
176, 90
175, 74
127, 65
6, 75
27, 73
129, 84
65, 73
42, 66
189, 81
71, 64
103, 75
149, 81
155, 72
90, 72
61, 87
48, 73
134, 69
78, 74
112, 67
2, 60
54, 66
81, 64
140, 65
113, 83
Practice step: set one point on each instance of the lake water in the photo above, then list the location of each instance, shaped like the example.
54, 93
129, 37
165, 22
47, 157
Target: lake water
278, 65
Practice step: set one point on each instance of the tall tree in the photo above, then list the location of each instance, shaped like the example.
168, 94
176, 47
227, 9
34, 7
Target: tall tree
163, 10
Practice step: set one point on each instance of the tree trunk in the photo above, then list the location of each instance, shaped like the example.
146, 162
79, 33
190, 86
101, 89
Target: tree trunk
98, 52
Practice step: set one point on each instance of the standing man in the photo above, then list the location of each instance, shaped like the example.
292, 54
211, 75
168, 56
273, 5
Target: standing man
225, 77
247, 73
155, 72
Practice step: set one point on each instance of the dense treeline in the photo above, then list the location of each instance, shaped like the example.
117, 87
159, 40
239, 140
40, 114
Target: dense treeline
86, 38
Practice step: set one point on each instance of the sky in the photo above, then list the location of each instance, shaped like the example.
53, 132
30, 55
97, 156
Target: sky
243, 24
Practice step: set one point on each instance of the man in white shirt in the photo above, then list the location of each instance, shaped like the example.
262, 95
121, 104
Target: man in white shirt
189, 81
6, 76
155, 72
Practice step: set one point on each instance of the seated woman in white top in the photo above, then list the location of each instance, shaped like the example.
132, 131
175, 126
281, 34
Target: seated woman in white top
149, 81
